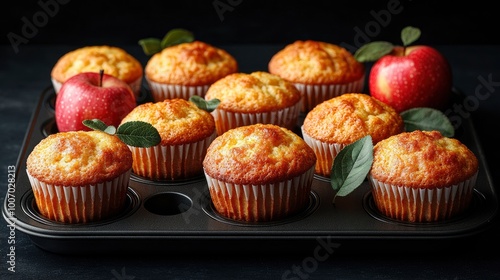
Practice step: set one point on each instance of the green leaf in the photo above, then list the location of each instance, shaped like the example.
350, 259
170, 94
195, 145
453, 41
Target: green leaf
427, 119
409, 35
351, 165
207, 105
138, 134
373, 51
176, 36
150, 46
97, 124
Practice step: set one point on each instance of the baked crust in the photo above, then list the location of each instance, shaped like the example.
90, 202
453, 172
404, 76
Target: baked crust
422, 159
191, 64
258, 154
113, 60
177, 120
315, 62
78, 158
253, 93
351, 116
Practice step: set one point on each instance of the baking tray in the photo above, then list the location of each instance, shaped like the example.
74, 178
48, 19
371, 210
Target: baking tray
176, 214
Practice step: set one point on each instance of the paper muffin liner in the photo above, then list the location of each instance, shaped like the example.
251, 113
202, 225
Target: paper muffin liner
421, 204
161, 91
226, 120
171, 162
313, 95
325, 153
135, 86
260, 203
80, 204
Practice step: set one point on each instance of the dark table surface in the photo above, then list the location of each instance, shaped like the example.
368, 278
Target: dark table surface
476, 73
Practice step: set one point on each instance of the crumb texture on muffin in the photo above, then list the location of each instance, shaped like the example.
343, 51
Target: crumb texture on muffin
422, 159
258, 154
252, 93
315, 62
177, 120
79, 158
351, 116
190, 64
113, 60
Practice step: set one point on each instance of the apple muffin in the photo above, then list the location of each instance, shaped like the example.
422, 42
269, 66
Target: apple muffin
342, 120
422, 176
113, 60
185, 131
258, 97
79, 176
319, 70
259, 173
187, 69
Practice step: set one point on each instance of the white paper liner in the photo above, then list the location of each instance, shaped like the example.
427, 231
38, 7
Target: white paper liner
422, 204
135, 85
161, 91
325, 153
171, 162
313, 95
226, 120
80, 204
260, 203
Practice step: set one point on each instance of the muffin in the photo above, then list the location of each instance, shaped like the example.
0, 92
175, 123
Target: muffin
259, 173
422, 176
185, 131
319, 70
187, 69
340, 121
113, 60
258, 97
79, 176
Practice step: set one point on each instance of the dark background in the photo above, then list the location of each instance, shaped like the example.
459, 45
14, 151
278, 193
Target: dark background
223, 22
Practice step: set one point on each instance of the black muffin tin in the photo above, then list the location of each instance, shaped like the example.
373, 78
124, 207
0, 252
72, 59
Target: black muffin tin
162, 215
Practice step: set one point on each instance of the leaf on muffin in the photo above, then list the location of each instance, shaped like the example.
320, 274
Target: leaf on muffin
135, 133
374, 50
173, 37
207, 105
427, 119
351, 166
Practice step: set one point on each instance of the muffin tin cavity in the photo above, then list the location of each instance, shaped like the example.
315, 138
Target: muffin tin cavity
28, 205
209, 209
168, 203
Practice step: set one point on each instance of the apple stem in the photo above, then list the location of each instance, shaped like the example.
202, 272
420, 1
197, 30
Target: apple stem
101, 74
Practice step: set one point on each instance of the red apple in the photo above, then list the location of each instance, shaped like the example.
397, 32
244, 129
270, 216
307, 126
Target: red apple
409, 76
92, 96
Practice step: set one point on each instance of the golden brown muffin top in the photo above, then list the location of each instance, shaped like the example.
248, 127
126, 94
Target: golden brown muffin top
258, 154
78, 158
253, 93
177, 120
191, 64
113, 60
351, 116
314, 62
423, 159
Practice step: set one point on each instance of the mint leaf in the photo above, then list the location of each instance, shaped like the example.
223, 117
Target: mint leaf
138, 134
424, 118
97, 124
409, 35
373, 51
351, 165
207, 105
176, 36
150, 46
